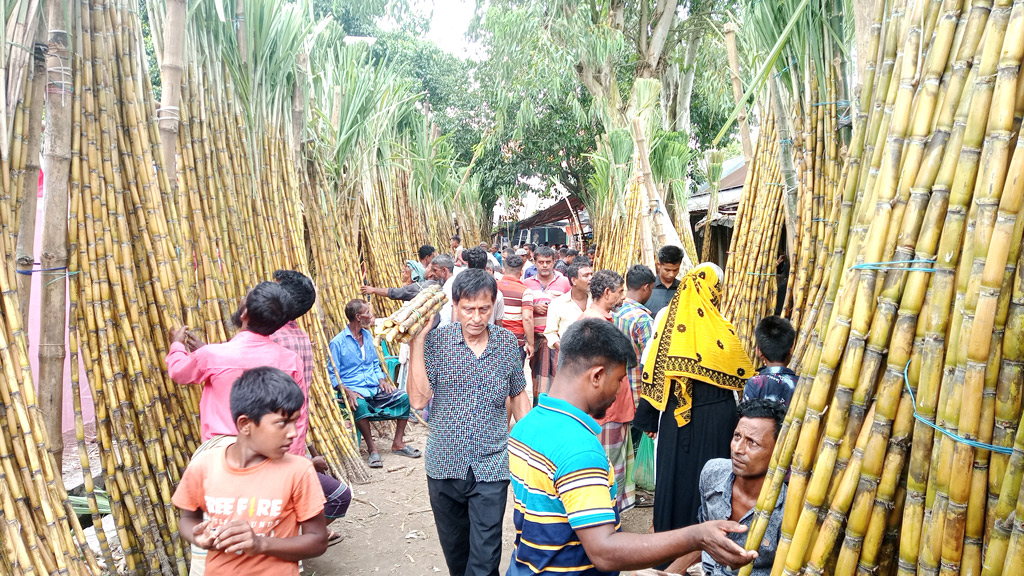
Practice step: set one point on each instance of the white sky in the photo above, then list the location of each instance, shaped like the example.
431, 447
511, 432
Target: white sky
449, 24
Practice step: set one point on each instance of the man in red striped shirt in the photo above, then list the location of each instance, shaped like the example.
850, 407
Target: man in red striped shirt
518, 316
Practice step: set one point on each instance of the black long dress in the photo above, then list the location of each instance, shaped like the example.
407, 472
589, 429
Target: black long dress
682, 452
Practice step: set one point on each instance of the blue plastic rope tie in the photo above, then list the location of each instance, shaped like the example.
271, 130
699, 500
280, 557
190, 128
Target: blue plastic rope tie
39, 270
956, 437
895, 265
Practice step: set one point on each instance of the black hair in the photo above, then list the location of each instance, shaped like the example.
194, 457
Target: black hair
265, 390
300, 288
476, 258
761, 408
639, 276
591, 341
531, 246
604, 280
514, 262
268, 306
425, 251
572, 252
444, 261
574, 268
775, 337
354, 308
670, 255
456, 238
562, 252
543, 252
473, 282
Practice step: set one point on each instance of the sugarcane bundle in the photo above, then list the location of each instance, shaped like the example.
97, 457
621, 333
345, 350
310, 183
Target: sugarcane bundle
412, 317
749, 289
915, 466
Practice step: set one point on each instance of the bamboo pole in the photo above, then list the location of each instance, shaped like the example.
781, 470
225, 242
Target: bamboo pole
737, 89
34, 97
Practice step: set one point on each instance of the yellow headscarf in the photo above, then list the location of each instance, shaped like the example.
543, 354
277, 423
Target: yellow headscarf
693, 341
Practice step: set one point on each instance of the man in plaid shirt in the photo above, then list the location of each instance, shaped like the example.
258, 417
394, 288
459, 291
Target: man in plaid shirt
300, 288
637, 323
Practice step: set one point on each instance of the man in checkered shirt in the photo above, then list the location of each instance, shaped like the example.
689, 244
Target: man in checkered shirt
474, 373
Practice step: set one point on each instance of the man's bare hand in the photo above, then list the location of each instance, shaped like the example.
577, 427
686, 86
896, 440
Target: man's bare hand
540, 308
320, 465
528, 348
386, 385
203, 535
715, 541
178, 334
192, 341
352, 398
237, 536
652, 435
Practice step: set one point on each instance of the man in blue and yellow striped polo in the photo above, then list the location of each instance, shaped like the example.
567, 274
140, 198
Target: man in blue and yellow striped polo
565, 516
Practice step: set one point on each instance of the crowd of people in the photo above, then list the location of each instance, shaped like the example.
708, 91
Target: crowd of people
609, 359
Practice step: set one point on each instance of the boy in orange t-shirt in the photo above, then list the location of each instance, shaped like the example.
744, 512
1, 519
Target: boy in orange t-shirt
256, 495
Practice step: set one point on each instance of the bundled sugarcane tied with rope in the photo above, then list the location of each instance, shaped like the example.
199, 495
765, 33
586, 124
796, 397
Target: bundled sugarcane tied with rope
412, 316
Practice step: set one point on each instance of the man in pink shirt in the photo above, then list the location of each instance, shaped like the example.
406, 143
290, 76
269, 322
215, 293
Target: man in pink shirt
217, 366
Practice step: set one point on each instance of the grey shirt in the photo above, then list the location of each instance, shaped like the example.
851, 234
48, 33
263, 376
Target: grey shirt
661, 295
409, 291
716, 504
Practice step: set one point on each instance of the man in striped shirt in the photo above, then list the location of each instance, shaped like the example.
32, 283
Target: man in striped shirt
518, 316
564, 488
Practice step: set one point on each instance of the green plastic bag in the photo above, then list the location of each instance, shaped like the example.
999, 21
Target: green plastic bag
644, 475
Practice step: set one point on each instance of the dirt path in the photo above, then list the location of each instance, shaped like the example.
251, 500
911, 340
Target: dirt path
400, 538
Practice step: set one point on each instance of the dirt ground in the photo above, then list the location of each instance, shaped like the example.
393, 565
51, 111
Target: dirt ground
389, 528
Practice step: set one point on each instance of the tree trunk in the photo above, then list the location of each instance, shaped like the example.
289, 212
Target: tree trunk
240, 31
669, 93
299, 107
686, 83
786, 164
57, 151
737, 90
664, 231
171, 70
25, 256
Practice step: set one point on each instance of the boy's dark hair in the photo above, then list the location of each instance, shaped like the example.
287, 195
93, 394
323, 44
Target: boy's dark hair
300, 288
572, 252
456, 238
354, 308
476, 258
574, 268
670, 255
268, 306
264, 390
425, 250
763, 408
514, 262
604, 280
532, 247
594, 341
639, 276
562, 252
473, 282
775, 337
543, 252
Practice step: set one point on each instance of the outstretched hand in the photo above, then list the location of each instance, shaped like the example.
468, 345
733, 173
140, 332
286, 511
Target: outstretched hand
715, 541
203, 535
179, 334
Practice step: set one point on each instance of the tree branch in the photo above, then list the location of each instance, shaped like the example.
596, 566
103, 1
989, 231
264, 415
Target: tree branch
661, 31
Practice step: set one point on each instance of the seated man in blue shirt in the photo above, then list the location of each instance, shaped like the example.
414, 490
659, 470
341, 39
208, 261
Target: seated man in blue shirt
355, 371
729, 487
564, 487
775, 337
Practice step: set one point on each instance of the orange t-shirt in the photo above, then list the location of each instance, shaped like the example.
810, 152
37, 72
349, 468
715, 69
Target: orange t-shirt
274, 497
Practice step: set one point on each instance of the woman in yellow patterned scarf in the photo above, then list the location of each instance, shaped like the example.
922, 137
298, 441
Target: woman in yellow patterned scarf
693, 368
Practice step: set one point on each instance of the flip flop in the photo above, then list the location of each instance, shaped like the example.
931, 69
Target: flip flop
375, 461
333, 538
408, 452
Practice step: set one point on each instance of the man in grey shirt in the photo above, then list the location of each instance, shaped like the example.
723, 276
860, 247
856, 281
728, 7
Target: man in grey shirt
669, 260
729, 488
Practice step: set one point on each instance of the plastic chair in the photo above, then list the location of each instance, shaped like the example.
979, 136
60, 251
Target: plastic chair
391, 362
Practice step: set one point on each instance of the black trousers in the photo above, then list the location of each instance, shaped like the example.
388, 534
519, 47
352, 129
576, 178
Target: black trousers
468, 515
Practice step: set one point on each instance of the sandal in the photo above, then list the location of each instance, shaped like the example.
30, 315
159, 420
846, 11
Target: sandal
375, 461
333, 537
408, 452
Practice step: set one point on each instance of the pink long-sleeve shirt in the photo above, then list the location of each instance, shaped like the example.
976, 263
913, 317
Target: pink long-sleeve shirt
217, 366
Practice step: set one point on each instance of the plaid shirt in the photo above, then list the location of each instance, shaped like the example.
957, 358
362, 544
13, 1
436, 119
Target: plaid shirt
468, 420
633, 319
292, 337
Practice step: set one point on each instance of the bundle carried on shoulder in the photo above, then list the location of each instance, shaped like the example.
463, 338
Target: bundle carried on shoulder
412, 316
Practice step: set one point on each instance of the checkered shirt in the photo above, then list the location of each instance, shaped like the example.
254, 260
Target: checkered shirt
468, 418
635, 321
295, 339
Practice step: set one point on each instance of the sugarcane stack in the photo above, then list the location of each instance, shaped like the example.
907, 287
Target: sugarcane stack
903, 444
750, 287
412, 317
